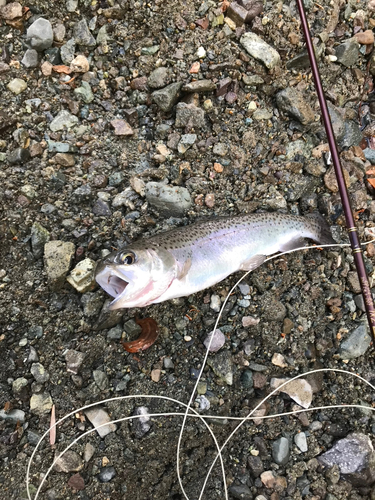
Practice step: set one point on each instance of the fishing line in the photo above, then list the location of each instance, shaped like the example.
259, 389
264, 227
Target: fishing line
196, 415
188, 407
215, 328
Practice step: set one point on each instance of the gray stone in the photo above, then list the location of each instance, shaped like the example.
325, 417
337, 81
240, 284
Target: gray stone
69, 462
356, 344
132, 328
370, 155
58, 256
35, 332
61, 147
222, 366
59, 32
159, 78
106, 474
352, 135
141, 425
199, 86
354, 455
82, 194
74, 360
255, 465
41, 403
167, 97
82, 35
260, 50
115, 333
30, 58
241, 492
102, 36
39, 373
19, 155
108, 318
18, 385
67, 51
247, 379
92, 303
168, 200
217, 342
14, 416
40, 35
189, 115
281, 451
337, 119
347, 53
101, 208
168, 364
150, 51
292, 102
17, 85
186, 141
301, 441
71, 5
39, 237
100, 420
63, 120
84, 92
101, 379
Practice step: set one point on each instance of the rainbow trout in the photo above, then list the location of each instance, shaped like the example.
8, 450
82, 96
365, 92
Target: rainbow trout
186, 260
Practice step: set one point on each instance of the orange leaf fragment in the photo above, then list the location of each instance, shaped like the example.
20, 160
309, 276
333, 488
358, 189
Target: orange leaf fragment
62, 68
148, 336
372, 182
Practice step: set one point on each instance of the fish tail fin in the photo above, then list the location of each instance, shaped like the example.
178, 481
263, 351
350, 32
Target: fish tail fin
324, 235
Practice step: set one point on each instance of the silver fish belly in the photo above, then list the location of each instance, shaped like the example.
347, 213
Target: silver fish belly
186, 260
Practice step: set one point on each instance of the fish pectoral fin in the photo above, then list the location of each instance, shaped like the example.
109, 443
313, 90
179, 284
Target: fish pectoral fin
292, 244
252, 263
184, 269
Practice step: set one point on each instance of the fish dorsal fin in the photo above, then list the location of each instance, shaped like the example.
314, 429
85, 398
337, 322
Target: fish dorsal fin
293, 244
252, 263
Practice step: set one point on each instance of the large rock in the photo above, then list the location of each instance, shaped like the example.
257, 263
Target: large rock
159, 78
347, 53
189, 115
58, 256
260, 50
168, 200
356, 344
82, 35
40, 35
167, 97
63, 120
293, 103
355, 458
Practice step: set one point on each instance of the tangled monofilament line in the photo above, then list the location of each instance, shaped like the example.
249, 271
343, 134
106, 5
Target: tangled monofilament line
192, 413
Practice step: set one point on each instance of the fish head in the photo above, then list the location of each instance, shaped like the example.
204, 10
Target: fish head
136, 277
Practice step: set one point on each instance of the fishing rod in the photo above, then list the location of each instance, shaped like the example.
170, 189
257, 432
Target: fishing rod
351, 226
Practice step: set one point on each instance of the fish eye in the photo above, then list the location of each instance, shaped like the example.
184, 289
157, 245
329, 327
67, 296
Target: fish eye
127, 258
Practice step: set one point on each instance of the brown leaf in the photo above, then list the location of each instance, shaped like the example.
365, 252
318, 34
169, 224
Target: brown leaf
372, 182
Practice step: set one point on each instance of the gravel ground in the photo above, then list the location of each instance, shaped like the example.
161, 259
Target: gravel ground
120, 120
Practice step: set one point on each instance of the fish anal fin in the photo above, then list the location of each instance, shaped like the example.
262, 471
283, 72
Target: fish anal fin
184, 269
292, 244
252, 263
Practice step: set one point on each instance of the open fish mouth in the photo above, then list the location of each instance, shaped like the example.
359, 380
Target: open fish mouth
116, 285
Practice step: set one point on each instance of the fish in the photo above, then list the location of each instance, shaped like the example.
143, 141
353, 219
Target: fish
188, 259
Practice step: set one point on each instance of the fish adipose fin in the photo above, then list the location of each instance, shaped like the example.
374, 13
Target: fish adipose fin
252, 263
325, 237
292, 245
